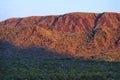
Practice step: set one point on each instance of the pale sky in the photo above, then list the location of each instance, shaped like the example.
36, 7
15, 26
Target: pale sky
24, 8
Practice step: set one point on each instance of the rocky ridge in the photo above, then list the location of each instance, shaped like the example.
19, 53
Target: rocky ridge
79, 35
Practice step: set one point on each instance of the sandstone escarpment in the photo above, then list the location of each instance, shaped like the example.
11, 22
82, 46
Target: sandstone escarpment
80, 35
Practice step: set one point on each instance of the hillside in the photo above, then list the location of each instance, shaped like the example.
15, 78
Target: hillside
75, 35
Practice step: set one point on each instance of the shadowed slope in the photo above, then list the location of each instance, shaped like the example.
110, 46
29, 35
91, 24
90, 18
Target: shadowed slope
10, 51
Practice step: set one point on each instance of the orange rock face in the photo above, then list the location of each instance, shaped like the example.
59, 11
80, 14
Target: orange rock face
86, 35
74, 22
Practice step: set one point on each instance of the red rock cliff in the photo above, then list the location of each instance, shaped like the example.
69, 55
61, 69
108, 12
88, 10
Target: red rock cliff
78, 34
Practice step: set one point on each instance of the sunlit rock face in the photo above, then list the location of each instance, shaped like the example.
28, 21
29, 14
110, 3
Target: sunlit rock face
80, 35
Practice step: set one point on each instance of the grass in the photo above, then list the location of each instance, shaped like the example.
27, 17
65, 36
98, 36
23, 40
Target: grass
37, 69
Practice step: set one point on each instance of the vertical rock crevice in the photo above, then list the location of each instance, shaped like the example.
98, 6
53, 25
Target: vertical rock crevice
18, 22
92, 32
33, 27
54, 23
97, 19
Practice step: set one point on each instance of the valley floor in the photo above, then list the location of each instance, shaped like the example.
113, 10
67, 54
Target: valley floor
57, 69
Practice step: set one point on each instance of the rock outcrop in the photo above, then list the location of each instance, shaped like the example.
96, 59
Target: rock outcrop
80, 35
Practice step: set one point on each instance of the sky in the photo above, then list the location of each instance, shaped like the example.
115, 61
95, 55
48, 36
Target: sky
24, 8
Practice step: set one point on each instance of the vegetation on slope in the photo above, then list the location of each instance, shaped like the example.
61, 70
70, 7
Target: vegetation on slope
81, 35
37, 69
